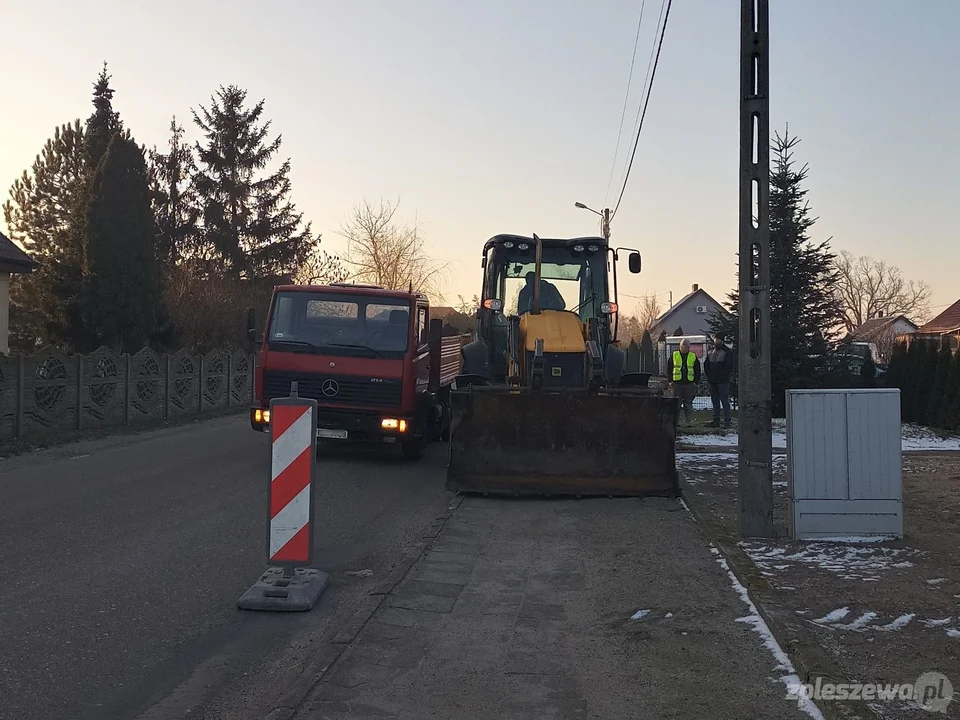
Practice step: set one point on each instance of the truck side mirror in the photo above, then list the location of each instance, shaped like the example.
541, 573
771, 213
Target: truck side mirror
251, 325
634, 261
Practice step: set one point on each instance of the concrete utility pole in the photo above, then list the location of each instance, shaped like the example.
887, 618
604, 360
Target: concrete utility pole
754, 387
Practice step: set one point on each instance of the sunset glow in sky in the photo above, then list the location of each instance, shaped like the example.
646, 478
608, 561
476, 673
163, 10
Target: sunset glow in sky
498, 116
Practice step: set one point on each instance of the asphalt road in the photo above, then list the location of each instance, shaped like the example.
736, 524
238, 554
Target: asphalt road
122, 560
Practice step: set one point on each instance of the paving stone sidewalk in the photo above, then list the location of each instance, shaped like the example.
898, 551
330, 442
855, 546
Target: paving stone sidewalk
522, 609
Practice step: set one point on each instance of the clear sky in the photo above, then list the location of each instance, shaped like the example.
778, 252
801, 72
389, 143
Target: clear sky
497, 116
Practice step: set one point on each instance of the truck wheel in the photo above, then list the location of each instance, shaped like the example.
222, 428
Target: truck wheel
445, 418
412, 449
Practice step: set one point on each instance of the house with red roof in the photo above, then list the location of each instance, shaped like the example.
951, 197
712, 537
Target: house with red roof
944, 328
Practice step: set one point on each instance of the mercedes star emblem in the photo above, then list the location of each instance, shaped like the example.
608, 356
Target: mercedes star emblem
332, 364
330, 388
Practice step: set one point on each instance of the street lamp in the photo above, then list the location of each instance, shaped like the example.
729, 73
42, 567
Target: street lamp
604, 218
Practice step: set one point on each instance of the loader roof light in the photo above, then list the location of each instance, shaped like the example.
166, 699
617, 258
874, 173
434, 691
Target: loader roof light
508, 244
594, 248
608, 308
523, 246
578, 248
494, 304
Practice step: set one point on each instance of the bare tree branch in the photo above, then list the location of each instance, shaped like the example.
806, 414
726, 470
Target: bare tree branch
647, 312
385, 253
868, 288
320, 268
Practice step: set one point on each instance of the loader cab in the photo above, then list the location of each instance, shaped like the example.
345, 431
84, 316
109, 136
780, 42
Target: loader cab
574, 278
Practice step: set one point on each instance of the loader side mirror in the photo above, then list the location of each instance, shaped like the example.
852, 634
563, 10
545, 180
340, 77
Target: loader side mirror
634, 261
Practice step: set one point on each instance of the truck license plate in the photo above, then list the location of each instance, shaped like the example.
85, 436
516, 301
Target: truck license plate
337, 434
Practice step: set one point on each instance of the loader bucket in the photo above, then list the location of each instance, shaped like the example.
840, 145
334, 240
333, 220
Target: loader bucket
563, 442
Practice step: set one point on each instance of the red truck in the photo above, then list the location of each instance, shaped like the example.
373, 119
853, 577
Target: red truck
377, 365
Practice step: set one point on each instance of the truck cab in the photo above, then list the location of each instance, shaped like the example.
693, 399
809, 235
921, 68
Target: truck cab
369, 356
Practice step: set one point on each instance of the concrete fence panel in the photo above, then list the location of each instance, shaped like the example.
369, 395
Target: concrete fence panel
50, 393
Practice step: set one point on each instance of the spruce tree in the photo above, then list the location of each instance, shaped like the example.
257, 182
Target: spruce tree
647, 361
123, 275
950, 412
174, 199
804, 314
924, 382
633, 357
895, 369
249, 222
938, 386
911, 380
103, 123
41, 215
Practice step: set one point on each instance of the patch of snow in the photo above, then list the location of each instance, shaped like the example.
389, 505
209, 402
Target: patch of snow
790, 678
727, 439
669, 615
859, 623
862, 623
936, 581
897, 624
920, 438
913, 438
639, 614
833, 616
848, 561
695, 458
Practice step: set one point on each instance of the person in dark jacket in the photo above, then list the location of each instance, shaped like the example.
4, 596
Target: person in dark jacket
683, 370
718, 366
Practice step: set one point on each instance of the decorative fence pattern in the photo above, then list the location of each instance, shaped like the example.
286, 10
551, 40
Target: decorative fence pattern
54, 393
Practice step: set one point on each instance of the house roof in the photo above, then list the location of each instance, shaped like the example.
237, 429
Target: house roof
13, 259
682, 301
945, 322
875, 326
441, 311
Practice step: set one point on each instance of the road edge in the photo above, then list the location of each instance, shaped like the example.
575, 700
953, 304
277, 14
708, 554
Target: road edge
289, 702
17, 447
806, 654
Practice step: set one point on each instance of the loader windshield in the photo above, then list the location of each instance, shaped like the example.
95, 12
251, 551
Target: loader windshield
569, 281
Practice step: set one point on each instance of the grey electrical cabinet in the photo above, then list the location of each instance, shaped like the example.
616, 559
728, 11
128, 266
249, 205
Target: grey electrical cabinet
844, 463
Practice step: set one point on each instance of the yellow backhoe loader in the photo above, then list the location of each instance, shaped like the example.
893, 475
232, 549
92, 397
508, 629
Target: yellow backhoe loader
543, 406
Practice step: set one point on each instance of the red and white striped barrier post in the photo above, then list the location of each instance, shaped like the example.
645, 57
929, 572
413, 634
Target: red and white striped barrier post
290, 583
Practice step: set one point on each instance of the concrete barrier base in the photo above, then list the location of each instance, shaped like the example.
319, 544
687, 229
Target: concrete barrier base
277, 592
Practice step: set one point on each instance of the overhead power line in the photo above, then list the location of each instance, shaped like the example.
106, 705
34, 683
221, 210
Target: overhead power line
643, 115
626, 97
646, 80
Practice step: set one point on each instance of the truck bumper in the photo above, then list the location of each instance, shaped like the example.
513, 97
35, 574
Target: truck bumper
350, 426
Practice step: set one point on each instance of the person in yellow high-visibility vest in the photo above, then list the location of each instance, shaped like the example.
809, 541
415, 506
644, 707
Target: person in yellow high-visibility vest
683, 371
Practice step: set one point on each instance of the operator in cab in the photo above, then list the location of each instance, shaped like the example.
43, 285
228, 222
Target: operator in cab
550, 297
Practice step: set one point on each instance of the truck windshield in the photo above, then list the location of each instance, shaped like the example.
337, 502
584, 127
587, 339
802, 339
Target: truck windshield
340, 324
569, 281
